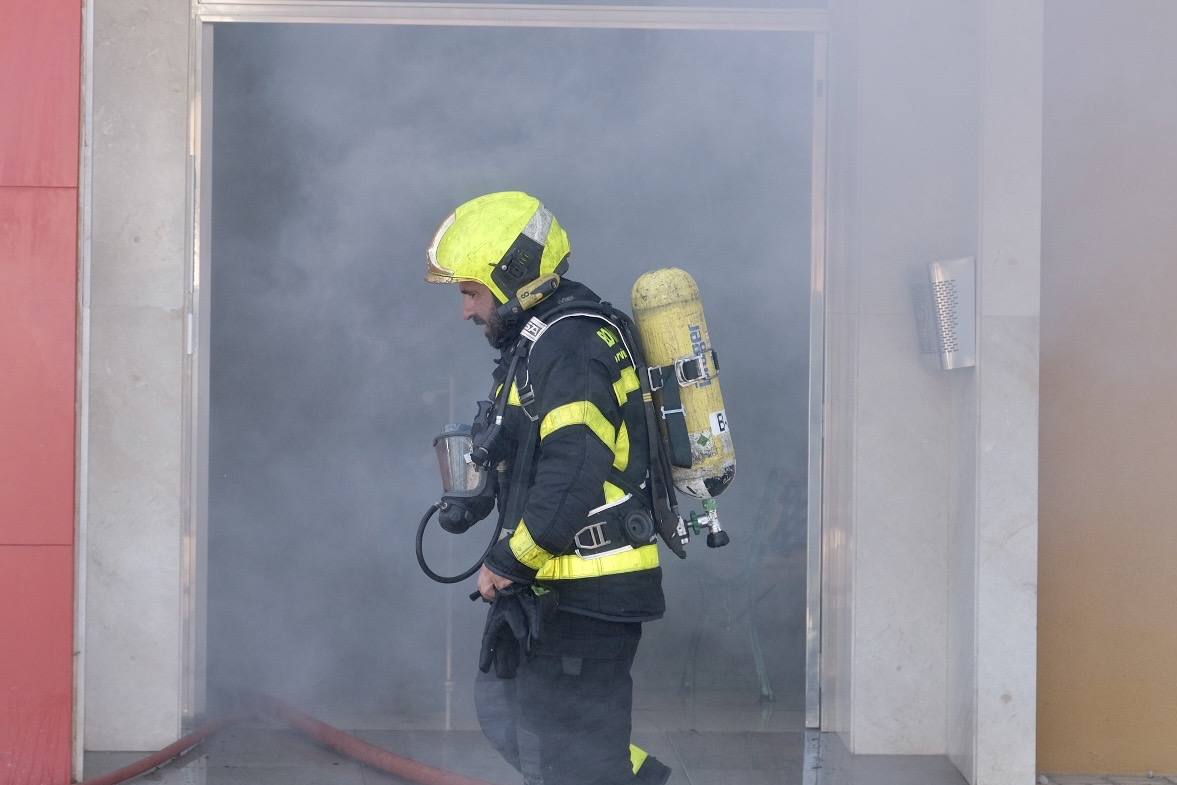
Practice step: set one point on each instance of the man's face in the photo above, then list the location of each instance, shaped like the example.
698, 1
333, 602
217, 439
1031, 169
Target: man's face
480, 306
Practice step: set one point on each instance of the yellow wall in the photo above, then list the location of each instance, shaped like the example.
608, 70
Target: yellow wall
1108, 551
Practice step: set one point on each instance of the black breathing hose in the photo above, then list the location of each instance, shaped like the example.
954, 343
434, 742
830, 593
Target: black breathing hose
433, 508
496, 424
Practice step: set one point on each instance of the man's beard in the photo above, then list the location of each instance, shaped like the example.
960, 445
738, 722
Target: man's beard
494, 330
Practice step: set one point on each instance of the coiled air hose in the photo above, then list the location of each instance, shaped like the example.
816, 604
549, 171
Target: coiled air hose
433, 508
327, 735
481, 456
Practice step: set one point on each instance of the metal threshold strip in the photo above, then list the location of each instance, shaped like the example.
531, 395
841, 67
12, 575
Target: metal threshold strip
516, 15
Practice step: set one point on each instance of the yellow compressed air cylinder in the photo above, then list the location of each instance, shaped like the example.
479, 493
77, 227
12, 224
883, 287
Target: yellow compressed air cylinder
669, 314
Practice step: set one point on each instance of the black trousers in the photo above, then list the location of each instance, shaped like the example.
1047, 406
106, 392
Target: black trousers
565, 717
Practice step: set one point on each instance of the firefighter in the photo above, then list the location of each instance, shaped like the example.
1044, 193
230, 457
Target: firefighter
556, 700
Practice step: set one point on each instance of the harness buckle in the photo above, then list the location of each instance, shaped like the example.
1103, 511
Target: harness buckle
692, 370
597, 538
526, 399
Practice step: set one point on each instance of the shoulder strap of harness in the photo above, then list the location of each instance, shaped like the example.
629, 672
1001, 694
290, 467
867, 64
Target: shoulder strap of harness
661, 488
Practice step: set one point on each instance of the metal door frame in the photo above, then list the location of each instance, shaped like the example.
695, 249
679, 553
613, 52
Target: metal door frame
204, 15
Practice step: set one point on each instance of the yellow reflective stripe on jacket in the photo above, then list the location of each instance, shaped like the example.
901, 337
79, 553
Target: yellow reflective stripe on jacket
612, 493
579, 413
621, 449
569, 567
512, 397
626, 384
526, 550
586, 413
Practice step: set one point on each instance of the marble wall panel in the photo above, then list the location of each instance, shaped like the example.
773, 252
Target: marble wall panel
917, 145
900, 597
962, 575
1007, 551
132, 619
1010, 178
1011, 157
945, 152
140, 152
140, 98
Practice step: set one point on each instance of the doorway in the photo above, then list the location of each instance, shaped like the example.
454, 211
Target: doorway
335, 151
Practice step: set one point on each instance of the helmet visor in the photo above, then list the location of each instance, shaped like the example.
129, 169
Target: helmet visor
434, 271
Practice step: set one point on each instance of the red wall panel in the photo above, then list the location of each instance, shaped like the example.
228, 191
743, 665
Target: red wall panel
38, 295
40, 42
40, 75
36, 666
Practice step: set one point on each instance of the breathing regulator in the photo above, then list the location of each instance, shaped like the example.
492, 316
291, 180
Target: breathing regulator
691, 449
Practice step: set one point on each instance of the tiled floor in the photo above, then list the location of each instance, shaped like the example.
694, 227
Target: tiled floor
255, 755
258, 755
707, 738
1105, 779
716, 738
834, 765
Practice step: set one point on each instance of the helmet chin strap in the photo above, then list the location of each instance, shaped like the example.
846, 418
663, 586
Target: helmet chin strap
512, 312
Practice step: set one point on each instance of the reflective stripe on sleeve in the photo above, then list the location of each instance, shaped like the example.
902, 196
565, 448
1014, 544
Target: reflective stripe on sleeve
579, 413
526, 550
626, 384
572, 566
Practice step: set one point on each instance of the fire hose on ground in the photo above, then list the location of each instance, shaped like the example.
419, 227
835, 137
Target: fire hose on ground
318, 731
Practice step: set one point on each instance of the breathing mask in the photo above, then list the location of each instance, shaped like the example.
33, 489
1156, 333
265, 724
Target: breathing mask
469, 487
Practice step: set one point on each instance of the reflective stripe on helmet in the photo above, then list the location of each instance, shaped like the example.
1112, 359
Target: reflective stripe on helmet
434, 272
539, 226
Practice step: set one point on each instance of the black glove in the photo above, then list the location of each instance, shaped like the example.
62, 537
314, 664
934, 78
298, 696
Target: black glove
513, 623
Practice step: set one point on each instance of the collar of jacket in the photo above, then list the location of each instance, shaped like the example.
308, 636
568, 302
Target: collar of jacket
566, 292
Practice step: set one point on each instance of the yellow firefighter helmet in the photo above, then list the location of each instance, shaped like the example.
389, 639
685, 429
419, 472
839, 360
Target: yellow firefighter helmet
504, 240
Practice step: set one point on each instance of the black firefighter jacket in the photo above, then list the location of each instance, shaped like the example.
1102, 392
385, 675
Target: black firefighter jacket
588, 407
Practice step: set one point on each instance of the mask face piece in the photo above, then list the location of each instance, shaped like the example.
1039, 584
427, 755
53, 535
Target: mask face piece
459, 476
469, 491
